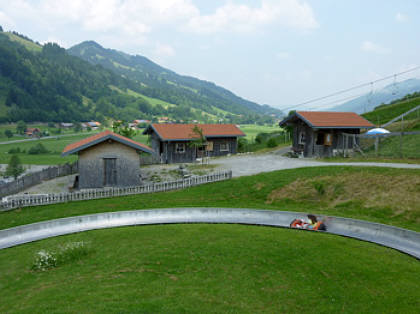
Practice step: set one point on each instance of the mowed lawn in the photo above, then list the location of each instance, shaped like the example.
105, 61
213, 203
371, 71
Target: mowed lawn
228, 268
211, 269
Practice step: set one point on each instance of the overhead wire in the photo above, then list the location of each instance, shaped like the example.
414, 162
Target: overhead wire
352, 88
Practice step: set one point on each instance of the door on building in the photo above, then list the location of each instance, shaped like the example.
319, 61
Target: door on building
110, 171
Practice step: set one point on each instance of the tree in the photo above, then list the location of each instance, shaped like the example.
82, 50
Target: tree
77, 127
14, 168
199, 140
1, 28
20, 127
8, 133
122, 128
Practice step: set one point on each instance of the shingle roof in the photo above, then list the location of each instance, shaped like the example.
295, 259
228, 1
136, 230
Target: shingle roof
324, 119
178, 132
99, 138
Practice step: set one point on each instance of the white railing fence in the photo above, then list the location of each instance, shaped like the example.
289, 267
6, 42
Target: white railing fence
26, 200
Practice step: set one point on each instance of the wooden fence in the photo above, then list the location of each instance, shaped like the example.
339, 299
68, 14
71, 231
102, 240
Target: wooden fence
19, 201
35, 178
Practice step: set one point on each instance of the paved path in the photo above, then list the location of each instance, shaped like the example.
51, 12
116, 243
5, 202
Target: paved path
249, 164
401, 239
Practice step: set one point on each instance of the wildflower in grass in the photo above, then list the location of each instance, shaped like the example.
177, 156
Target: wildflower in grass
44, 260
66, 253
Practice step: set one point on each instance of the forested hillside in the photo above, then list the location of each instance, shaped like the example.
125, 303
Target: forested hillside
45, 83
167, 85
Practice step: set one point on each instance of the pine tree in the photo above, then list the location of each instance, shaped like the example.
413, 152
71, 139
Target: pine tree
14, 168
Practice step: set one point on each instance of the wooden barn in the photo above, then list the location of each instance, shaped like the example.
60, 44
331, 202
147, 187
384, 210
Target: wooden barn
320, 134
107, 159
172, 142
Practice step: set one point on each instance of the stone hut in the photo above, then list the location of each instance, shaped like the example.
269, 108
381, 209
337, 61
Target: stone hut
320, 134
107, 159
172, 142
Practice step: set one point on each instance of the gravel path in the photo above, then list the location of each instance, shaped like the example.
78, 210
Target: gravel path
249, 164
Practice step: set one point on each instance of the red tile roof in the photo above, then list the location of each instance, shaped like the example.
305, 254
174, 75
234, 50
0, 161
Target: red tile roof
334, 119
103, 136
185, 131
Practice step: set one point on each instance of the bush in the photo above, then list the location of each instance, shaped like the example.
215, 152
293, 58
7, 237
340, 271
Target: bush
242, 145
271, 142
15, 150
8, 133
38, 149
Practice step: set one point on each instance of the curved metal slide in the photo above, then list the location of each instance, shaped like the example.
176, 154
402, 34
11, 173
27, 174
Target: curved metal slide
400, 239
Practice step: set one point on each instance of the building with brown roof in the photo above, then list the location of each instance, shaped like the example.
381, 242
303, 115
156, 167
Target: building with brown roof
33, 132
320, 134
107, 159
172, 142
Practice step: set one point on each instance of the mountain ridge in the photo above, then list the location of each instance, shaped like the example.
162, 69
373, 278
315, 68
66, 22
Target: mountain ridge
47, 83
151, 75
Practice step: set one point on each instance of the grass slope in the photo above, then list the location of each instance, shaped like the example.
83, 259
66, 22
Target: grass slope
385, 195
386, 113
31, 46
212, 269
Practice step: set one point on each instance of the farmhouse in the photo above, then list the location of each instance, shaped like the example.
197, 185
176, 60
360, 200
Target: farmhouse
33, 132
320, 134
107, 159
172, 143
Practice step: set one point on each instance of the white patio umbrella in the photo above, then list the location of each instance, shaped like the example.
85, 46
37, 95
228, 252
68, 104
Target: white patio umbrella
377, 131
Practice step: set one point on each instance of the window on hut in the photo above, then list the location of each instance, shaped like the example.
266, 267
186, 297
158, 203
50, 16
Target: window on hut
224, 147
180, 148
320, 139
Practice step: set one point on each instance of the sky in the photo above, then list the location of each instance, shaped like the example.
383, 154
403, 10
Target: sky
275, 52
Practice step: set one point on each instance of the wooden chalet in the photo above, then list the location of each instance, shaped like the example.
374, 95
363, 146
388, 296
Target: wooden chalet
172, 142
107, 159
320, 134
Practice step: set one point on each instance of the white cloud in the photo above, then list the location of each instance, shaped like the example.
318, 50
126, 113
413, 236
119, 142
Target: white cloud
401, 18
163, 50
52, 39
369, 46
233, 17
6, 22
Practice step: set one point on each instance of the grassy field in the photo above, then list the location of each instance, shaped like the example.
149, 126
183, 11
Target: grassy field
384, 195
251, 130
55, 146
211, 269
228, 268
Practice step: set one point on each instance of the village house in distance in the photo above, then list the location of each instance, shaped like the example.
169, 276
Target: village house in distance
172, 142
107, 159
320, 134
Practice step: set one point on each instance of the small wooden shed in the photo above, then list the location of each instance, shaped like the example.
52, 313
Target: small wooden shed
320, 134
107, 159
172, 142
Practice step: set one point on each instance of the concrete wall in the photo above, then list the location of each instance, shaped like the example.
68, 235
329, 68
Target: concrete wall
91, 165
